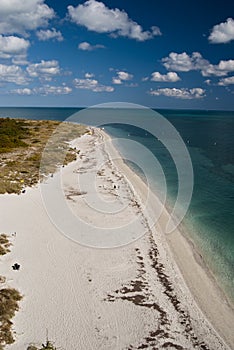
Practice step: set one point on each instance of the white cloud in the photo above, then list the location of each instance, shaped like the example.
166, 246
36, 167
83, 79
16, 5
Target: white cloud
53, 90
92, 84
226, 81
44, 90
156, 30
17, 16
226, 65
85, 46
186, 94
44, 70
89, 75
124, 75
184, 63
116, 81
12, 74
208, 81
121, 77
169, 77
13, 46
219, 70
20, 60
223, 32
95, 16
24, 91
48, 34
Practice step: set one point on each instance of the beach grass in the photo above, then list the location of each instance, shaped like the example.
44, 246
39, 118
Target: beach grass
4, 244
9, 304
9, 301
47, 346
22, 145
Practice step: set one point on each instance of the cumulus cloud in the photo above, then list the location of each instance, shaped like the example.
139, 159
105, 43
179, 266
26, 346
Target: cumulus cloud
53, 90
92, 84
44, 90
121, 77
12, 74
13, 46
124, 75
44, 35
85, 46
25, 91
169, 77
226, 81
156, 31
95, 16
116, 81
187, 94
219, 70
89, 75
184, 63
20, 60
45, 70
223, 32
17, 16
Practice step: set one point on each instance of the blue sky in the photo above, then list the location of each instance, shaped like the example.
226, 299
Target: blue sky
161, 54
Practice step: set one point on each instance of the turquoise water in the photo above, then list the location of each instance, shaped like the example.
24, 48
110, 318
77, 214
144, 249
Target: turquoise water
210, 219
209, 138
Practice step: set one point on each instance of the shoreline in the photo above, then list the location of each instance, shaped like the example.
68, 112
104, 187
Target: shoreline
198, 255
201, 261
218, 297
185, 231
107, 300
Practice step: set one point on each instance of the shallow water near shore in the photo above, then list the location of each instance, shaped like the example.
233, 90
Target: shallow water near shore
209, 221
209, 138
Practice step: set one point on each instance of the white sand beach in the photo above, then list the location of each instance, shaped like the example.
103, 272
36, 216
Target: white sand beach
152, 293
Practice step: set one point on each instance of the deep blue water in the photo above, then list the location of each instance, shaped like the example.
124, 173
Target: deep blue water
37, 113
209, 136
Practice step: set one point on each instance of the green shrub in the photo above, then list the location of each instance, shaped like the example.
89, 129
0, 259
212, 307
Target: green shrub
9, 299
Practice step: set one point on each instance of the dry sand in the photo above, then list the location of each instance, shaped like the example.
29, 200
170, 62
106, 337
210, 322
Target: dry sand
131, 297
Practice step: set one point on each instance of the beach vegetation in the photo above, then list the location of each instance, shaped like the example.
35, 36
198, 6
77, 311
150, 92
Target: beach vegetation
47, 346
9, 304
12, 133
22, 144
4, 244
9, 301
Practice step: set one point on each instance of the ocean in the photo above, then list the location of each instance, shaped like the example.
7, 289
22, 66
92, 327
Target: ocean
208, 136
